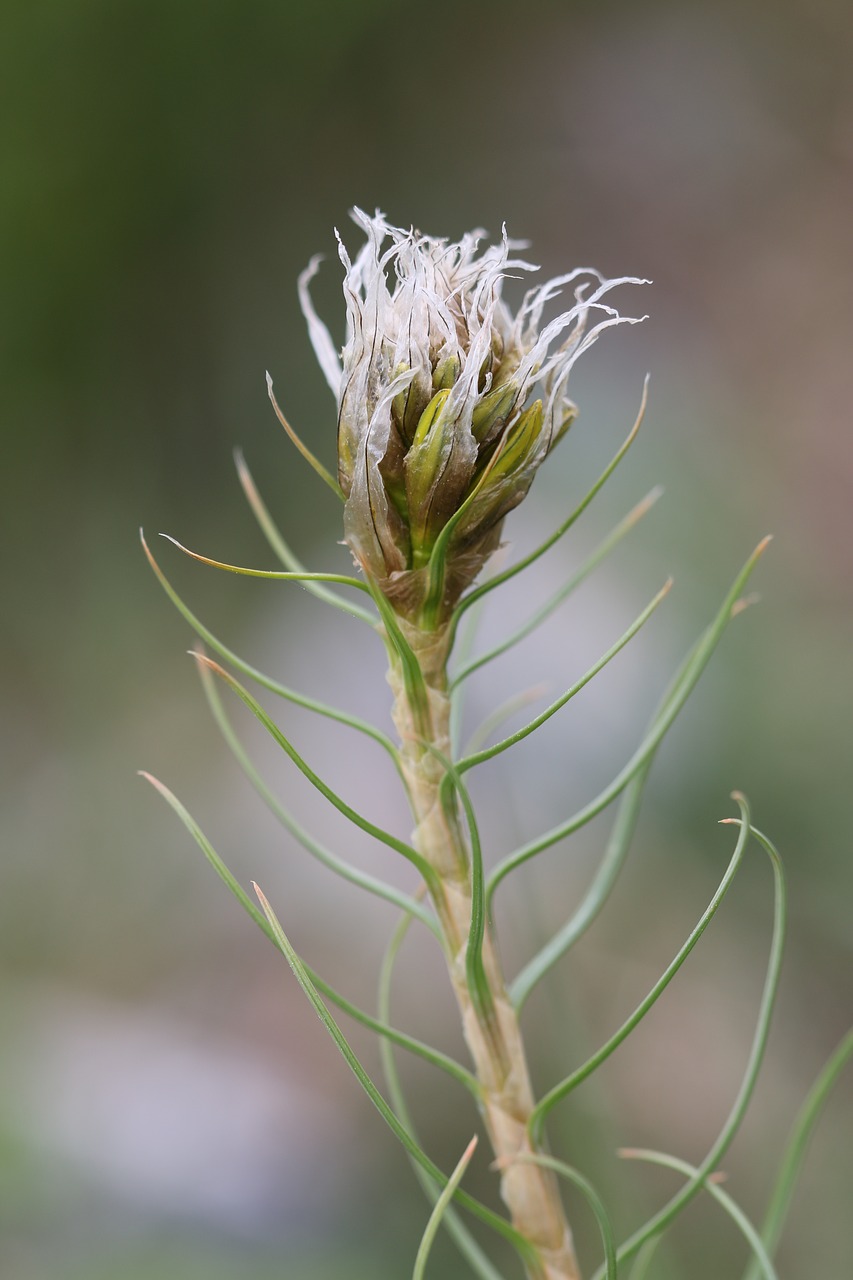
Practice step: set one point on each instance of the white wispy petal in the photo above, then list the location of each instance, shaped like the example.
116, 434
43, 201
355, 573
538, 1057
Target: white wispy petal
321, 339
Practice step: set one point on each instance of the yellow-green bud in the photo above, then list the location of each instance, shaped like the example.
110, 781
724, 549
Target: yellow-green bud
491, 411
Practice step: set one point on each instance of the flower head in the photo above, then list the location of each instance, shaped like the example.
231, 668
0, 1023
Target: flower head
447, 401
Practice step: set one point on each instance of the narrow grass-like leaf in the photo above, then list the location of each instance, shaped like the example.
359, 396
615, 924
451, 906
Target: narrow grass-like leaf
274, 686
278, 575
282, 549
650, 743
516, 703
595, 897
565, 1087
544, 612
265, 920
481, 1211
407, 1042
410, 1043
605, 877
488, 753
439, 1210
456, 1228
732, 1208
364, 824
643, 1259
498, 579
592, 1198
324, 475
225, 875
795, 1149
317, 850
661, 1220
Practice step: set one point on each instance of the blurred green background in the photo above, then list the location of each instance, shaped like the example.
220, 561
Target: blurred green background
169, 1106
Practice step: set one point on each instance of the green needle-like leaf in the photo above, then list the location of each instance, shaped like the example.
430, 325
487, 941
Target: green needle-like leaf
300, 972
277, 575
321, 471
317, 850
225, 875
643, 1259
516, 703
407, 1042
595, 897
274, 686
661, 1220
462, 1237
633, 517
565, 1087
500, 578
647, 748
385, 837
605, 877
592, 1198
441, 1206
732, 1208
282, 549
412, 1045
488, 753
795, 1150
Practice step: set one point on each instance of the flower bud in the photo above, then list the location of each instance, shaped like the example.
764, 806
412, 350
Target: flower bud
447, 402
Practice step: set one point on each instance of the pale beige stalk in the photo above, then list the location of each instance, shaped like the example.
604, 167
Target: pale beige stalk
495, 1043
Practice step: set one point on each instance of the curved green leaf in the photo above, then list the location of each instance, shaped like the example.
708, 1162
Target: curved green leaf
661, 1220
649, 745
317, 850
732, 1208
633, 517
489, 753
282, 691
565, 1087
282, 550
441, 1206
364, 824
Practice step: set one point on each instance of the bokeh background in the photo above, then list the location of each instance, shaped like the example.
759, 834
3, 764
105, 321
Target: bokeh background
169, 1106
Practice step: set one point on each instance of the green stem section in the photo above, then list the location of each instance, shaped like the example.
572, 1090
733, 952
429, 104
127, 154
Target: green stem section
491, 1027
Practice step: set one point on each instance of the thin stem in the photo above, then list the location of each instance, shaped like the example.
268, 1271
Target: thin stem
464, 1241
481, 1211
592, 1198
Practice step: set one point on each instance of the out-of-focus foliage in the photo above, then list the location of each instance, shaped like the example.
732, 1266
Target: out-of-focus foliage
167, 171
